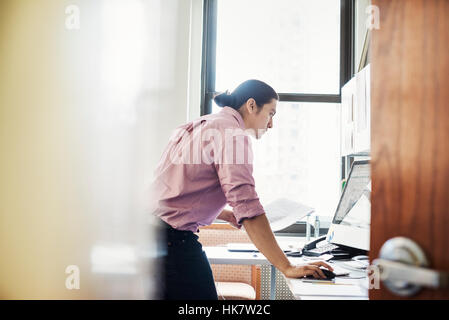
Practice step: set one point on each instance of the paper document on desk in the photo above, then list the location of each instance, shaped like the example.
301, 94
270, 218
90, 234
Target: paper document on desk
323, 257
341, 288
282, 213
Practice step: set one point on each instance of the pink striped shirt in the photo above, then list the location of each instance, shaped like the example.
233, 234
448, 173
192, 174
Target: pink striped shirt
206, 164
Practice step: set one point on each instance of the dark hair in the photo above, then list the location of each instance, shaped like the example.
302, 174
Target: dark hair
261, 92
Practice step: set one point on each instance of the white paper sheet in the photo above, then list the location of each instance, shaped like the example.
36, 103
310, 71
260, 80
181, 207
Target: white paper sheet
340, 288
282, 213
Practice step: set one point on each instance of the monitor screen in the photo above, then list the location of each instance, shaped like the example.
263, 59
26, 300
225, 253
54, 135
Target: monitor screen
351, 223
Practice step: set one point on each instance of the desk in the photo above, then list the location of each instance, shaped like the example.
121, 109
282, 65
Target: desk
345, 288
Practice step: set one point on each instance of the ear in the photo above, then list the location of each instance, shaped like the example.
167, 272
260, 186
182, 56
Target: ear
251, 105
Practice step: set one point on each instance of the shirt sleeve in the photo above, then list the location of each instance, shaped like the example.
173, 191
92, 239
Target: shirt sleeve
235, 172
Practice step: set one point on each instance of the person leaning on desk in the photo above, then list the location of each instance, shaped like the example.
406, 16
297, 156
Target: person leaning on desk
188, 193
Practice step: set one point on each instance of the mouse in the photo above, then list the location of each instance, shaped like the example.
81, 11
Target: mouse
329, 275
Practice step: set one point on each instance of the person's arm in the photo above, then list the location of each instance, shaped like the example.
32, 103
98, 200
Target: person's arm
228, 216
238, 186
260, 233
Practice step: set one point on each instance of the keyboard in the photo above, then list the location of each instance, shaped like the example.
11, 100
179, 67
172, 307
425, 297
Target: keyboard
321, 250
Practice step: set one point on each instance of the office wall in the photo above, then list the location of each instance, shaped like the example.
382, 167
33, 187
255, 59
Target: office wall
84, 115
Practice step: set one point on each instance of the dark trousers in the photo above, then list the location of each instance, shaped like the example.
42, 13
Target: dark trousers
186, 273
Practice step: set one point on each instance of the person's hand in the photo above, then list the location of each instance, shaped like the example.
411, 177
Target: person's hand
312, 269
229, 217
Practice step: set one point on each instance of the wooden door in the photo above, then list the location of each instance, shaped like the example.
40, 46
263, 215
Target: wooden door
410, 131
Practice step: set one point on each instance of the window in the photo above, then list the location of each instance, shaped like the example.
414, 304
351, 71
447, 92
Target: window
300, 158
303, 49
292, 44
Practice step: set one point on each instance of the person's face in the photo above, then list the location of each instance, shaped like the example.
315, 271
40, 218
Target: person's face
260, 119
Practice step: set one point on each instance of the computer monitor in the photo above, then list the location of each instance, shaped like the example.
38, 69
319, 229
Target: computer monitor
351, 223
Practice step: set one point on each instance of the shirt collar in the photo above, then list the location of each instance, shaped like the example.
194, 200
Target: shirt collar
236, 114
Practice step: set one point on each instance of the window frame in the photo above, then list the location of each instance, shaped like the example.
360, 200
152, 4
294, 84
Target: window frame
208, 68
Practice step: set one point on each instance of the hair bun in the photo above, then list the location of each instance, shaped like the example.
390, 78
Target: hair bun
261, 92
224, 99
